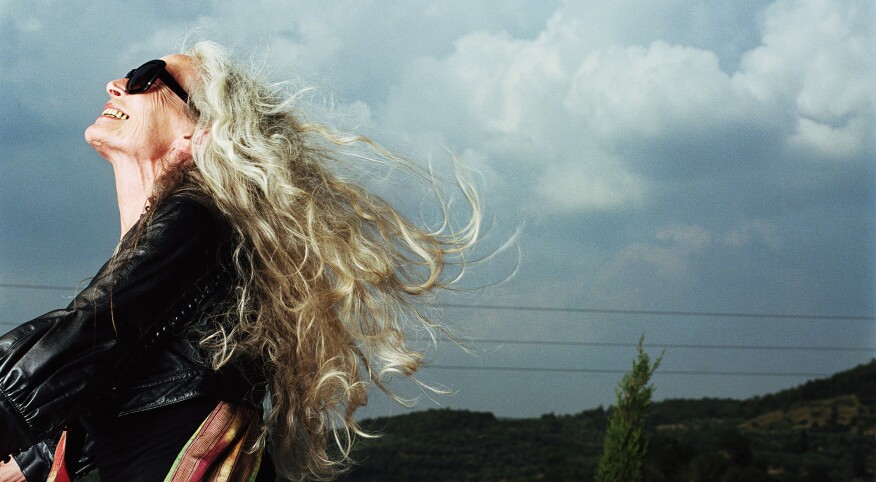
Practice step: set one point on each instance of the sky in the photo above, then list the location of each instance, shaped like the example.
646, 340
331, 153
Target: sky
664, 164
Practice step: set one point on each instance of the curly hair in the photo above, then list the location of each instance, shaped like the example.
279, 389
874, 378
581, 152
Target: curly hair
332, 277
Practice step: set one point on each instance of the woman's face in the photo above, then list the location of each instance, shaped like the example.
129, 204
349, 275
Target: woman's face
148, 126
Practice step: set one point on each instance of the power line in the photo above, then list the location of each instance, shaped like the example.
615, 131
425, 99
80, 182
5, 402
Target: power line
673, 345
615, 344
703, 314
618, 371
695, 346
36, 287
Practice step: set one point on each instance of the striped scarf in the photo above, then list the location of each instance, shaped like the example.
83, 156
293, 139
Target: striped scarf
219, 451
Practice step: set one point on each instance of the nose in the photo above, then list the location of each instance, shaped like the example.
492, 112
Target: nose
114, 88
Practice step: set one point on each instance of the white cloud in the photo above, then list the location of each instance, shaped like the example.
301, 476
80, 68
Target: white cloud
662, 90
853, 138
817, 61
588, 185
670, 252
673, 251
545, 104
753, 231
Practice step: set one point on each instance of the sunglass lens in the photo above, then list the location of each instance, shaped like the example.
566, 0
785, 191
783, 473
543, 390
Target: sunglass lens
141, 78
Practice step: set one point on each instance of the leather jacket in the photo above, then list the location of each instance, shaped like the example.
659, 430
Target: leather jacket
128, 342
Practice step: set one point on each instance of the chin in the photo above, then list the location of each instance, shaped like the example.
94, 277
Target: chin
97, 134
90, 135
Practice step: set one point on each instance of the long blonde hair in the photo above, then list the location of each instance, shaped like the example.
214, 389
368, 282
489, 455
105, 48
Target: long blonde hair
331, 275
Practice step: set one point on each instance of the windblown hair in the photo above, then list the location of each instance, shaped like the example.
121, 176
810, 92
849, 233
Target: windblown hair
330, 274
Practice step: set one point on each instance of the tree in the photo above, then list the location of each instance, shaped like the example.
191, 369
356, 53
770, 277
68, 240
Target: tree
626, 441
736, 446
803, 441
859, 463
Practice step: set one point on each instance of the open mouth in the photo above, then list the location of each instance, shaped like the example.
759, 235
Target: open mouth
114, 113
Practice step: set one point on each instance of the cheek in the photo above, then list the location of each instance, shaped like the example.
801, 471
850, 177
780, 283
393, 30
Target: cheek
150, 131
134, 132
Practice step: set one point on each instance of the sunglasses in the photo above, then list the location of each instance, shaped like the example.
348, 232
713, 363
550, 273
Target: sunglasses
143, 77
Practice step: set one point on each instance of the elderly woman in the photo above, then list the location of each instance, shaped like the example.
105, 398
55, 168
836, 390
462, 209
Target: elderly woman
253, 298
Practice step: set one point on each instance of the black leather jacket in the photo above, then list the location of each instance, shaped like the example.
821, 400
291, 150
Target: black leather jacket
127, 342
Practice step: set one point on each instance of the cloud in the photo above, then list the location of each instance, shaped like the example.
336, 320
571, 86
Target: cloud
816, 61
577, 106
671, 251
691, 264
590, 184
754, 230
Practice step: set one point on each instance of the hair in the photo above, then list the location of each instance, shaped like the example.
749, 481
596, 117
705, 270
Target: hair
331, 276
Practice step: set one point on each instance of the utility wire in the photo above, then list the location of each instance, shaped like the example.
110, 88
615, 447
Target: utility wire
702, 314
616, 371
36, 287
694, 346
612, 344
673, 345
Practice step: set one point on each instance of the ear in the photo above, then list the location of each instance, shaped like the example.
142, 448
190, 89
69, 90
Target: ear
188, 140
182, 145
195, 138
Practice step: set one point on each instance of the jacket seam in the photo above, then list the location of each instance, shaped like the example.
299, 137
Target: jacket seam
180, 375
154, 405
22, 419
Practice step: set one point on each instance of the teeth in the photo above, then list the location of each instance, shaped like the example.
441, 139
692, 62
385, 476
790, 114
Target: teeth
114, 113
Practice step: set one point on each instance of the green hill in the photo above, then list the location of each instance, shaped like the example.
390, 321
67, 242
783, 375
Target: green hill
821, 430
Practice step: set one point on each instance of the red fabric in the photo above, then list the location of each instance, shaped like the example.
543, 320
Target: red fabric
59, 465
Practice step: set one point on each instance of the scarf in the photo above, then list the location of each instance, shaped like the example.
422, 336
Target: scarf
221, 450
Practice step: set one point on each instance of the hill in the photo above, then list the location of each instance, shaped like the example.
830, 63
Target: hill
822, 430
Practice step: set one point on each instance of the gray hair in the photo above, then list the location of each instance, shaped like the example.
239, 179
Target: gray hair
330, 273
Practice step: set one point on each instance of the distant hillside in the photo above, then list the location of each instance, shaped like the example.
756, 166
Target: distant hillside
821, 430
859, 381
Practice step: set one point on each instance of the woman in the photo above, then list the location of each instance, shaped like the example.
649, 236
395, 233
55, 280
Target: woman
253, 298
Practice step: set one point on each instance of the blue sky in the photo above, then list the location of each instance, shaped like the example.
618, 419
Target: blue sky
713, 157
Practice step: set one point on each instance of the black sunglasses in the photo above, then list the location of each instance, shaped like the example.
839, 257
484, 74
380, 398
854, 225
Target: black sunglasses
143, 77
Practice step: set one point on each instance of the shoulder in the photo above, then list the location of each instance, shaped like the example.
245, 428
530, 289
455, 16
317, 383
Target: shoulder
184, 206
179, 225
177, 213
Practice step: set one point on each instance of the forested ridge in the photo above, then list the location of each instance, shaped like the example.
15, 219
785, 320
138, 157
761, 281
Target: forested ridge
823, 430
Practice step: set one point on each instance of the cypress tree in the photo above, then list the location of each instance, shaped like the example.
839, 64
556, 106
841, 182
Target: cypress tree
626, 441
